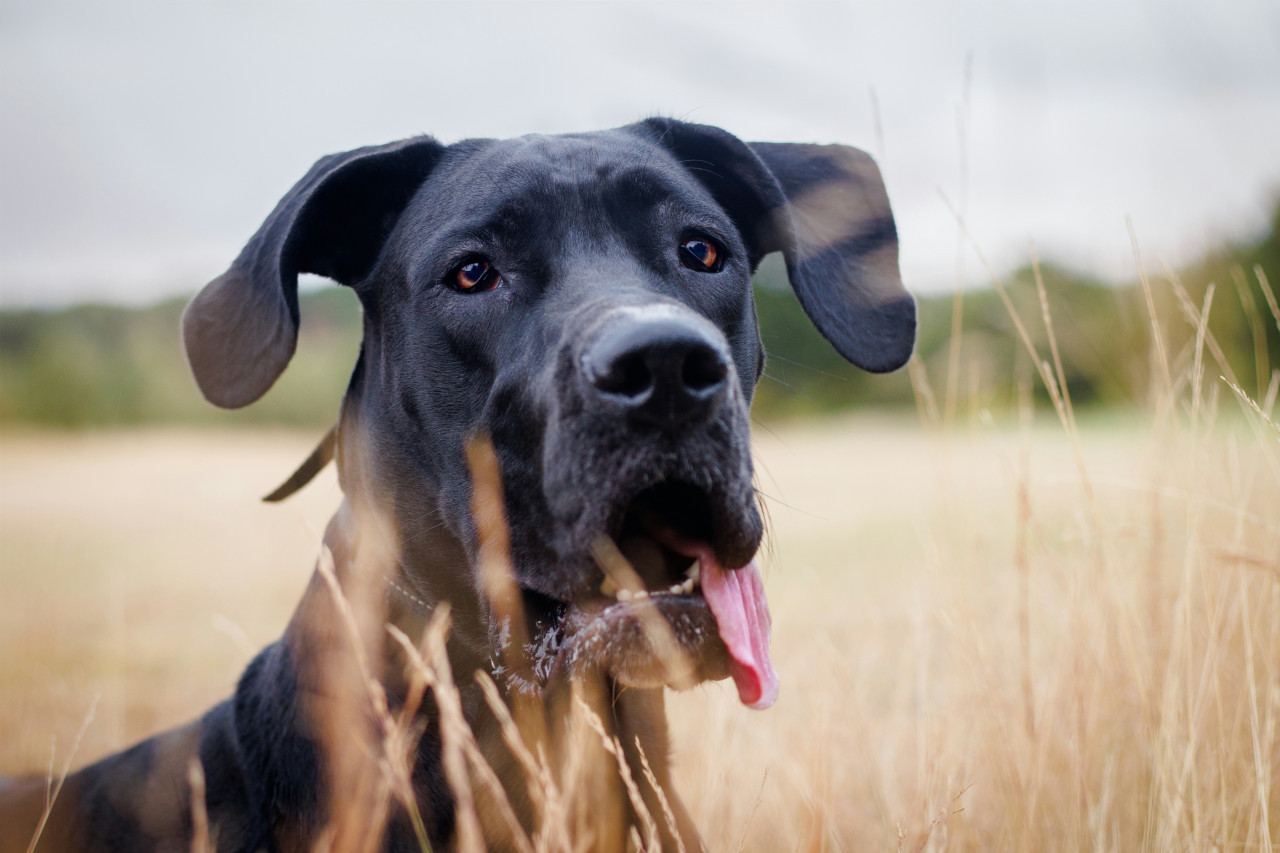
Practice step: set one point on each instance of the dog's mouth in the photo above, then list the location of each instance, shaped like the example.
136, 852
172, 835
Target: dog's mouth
668, 611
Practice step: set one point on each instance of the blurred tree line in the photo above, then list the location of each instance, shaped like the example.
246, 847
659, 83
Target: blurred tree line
97, 365
1103, 331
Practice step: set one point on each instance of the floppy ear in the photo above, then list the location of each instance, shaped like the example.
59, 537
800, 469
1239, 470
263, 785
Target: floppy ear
825, 208
241, 330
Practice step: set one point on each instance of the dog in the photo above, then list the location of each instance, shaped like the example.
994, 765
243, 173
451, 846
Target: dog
584, 303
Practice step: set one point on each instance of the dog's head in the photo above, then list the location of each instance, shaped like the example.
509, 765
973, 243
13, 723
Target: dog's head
585, 300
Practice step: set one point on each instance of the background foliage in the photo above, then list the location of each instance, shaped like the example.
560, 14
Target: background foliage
97, 365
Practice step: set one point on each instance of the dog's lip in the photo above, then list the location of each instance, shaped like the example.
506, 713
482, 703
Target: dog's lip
707, 515
674, 644
613, 637
684, 519
604, 636
662, 533
614, 634
618, 633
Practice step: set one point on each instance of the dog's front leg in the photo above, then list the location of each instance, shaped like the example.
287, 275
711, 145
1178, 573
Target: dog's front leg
641, 722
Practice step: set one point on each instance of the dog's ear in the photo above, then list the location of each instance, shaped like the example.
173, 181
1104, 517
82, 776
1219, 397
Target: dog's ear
825, 208
241, 330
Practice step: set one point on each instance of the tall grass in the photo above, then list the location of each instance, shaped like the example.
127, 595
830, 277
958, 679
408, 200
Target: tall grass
1111, 682
1066, 638
1090, 661
1135, 705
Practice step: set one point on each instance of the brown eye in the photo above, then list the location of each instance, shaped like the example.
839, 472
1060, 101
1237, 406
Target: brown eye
701, 254
475, 276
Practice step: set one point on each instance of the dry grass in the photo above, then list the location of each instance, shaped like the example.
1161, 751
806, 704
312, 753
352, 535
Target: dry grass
994, 636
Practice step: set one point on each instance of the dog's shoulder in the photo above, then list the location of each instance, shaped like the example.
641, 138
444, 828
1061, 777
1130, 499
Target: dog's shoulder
258, 769
138, 799
265, 737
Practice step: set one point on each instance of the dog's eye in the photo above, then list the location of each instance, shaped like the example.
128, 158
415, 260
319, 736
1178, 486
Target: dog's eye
701, 254
475, 275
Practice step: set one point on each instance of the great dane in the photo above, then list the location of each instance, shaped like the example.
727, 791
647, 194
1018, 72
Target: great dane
585, 302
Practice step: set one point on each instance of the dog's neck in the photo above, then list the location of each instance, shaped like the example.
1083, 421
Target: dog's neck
396, 584
410, 578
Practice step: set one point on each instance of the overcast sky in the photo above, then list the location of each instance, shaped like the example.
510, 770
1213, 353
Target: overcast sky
142, 143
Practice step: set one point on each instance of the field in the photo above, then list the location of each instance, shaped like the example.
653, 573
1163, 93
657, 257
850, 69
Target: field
990, 637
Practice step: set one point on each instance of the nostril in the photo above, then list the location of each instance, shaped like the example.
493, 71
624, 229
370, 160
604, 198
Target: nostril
703, 369
660, 369
628, 376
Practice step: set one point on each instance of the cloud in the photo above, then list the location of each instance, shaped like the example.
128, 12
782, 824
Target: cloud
141, 143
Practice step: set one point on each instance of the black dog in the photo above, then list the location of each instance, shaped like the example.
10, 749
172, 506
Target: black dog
585, 301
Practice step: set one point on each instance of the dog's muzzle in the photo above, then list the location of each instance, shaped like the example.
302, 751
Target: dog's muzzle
647, 473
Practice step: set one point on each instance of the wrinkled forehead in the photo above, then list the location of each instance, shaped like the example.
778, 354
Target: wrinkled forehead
526, 183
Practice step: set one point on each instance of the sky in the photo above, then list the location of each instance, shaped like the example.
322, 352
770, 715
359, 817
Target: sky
141, 143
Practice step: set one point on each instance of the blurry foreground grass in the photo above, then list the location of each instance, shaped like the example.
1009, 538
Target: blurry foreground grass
978, 650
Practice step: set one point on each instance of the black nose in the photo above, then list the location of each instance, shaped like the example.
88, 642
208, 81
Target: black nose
665, 370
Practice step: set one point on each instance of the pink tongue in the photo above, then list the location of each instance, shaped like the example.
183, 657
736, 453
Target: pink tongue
736, 598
